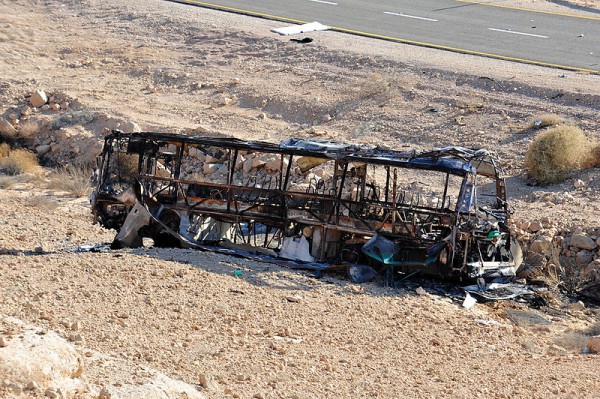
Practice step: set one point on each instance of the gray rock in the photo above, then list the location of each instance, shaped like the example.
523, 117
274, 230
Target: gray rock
42, 149
583, 258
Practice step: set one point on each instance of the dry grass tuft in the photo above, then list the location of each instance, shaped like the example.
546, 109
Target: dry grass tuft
10, 181
384, 87
594, 329
546, 120
6, 181
555, 153
4, 150
76, 181
19, 161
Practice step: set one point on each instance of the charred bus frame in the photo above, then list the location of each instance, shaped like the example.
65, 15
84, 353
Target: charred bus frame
310, 201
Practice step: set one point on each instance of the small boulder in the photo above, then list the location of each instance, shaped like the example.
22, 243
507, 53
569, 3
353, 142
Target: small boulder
210, 168
130, 127
105, 394
258, 163
247, 166
577, 306
38, 98
26, 111
275, 164
542, 245
42, 149
593, 345
210, 159
524, 224
536, 226
7, 130
207, 382
592, 271
582, 241
583, 258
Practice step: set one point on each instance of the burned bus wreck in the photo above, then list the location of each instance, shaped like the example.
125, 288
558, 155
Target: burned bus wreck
443, 212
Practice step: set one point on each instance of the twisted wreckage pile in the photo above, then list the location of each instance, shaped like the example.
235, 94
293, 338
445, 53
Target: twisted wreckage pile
310, 204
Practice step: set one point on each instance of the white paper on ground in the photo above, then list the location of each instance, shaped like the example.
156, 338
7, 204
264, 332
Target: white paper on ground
487, 322
469, 301
296, 29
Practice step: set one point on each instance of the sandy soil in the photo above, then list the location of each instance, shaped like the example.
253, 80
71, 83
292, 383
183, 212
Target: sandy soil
276, 333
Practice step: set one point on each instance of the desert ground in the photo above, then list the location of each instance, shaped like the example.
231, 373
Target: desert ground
174, 323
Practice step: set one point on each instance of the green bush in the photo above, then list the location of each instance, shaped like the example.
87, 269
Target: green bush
554, 154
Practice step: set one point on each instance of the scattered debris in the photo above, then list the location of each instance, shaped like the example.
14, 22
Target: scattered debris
524, 318
361, 273
302, 41
498, 291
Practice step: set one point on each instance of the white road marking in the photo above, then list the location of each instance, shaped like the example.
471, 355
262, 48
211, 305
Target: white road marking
518, 33
410, 16
324, 2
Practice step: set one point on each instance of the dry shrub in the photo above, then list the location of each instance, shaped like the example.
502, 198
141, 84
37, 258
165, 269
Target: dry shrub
383, 87
125, 166
4, 150
546, 120
19, 161
29, 129
572, 341
555, 153
76, 181
594, 157
573, 280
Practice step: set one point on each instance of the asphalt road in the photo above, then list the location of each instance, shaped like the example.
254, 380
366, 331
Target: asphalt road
551, 39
